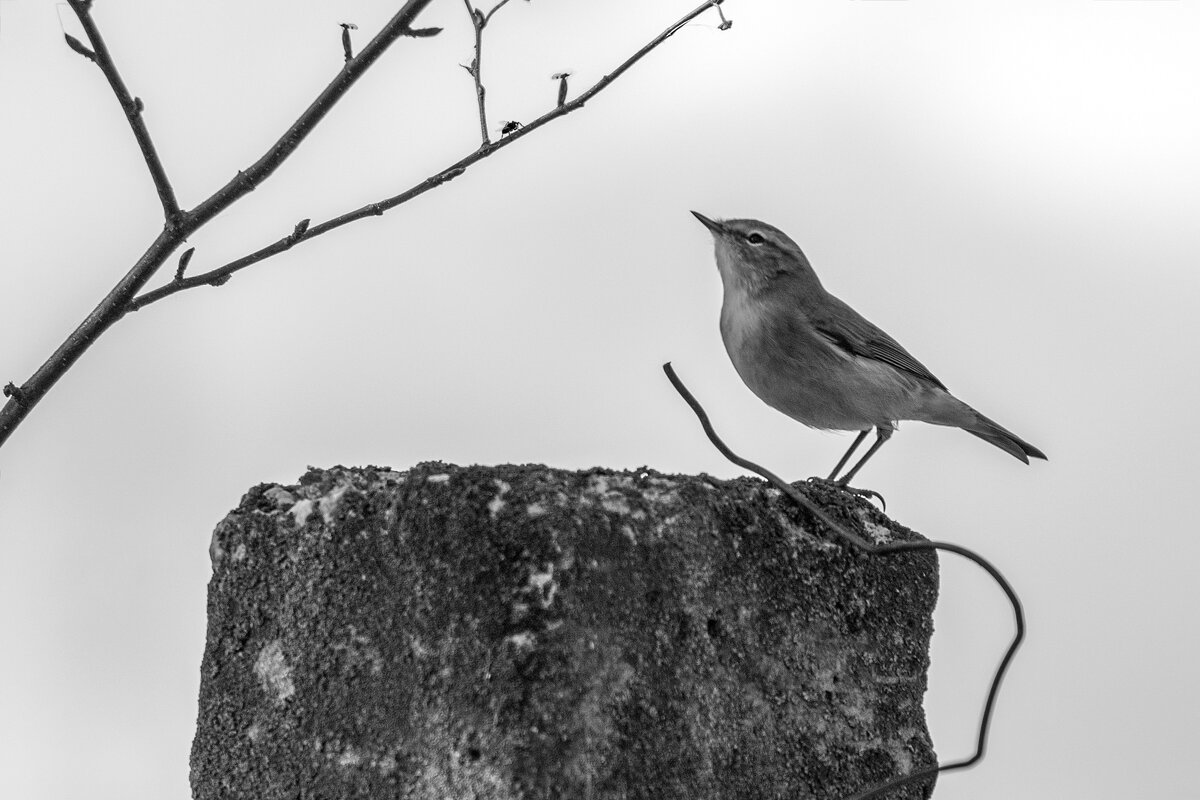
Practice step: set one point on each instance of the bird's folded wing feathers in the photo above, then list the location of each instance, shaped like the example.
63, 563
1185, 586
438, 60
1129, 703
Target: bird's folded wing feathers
845, 328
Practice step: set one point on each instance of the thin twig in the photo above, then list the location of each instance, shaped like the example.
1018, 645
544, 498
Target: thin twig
132, 107
448, 173
884, 549
478, 21
245, 180
488, 16
121, 298
117, 302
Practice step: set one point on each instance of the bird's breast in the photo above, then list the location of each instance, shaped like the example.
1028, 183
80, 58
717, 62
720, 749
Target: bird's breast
784, 360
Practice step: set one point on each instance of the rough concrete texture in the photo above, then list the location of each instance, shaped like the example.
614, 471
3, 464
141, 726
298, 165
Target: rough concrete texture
524, 633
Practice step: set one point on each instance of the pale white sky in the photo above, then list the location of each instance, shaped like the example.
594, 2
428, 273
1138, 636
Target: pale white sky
1008, 187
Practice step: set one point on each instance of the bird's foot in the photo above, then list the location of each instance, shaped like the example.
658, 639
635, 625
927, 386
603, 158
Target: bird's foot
868, 494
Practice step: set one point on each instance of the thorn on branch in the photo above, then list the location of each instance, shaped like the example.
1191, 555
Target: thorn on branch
347, 50
184, 259
14, 391
419, 33
561, 77
470, 68
78, 47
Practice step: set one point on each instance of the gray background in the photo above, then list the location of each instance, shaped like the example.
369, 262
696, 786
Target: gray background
1009, 188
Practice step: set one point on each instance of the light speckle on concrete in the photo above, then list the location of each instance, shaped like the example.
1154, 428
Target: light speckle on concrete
281, 497
274, 672
496, 504
329, 503
300, 512
522, 641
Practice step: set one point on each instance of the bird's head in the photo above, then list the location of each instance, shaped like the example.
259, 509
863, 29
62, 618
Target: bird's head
752, 254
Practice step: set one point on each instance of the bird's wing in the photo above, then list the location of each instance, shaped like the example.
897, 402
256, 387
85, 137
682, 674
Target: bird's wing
845, 328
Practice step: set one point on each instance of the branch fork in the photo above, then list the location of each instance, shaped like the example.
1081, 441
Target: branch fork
178, 225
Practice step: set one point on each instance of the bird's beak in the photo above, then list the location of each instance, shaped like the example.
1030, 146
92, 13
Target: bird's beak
711, 224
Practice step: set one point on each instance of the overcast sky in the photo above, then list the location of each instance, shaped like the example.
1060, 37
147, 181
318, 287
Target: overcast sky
1008, 187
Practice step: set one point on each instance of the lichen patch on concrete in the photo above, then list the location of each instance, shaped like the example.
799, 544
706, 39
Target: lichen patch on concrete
280, 496
543, 586
496, 504
329, 503
274, 672
300, 512
878, 534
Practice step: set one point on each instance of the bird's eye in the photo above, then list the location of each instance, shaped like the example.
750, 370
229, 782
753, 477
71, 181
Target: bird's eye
756, 238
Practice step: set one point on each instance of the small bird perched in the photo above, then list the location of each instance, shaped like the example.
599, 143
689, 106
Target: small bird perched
811, 356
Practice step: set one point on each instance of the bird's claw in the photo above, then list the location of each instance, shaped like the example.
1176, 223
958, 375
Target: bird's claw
869, 494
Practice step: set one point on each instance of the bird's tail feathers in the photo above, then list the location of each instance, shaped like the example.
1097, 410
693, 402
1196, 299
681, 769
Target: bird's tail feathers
1005, 439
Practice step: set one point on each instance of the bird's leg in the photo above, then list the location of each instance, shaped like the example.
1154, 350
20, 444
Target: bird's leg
854, 446
867, 493
882, 434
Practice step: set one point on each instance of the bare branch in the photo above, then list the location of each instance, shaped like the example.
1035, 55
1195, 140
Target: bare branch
479, 21
488, 16
245, 180
476, 68
124, 297
181, 225
449, 173
303, 232
132, 106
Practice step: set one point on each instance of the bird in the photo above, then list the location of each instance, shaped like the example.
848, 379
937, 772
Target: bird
806, 353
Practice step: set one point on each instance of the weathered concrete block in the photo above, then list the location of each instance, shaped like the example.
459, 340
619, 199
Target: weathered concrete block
524, 633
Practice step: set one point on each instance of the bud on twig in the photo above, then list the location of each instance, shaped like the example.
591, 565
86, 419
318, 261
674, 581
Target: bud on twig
300, 228
78, 47
14, 391
347, 50
561, 77
418, 33
184, 259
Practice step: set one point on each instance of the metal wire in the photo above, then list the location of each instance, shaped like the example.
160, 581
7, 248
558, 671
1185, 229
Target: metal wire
884, 549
